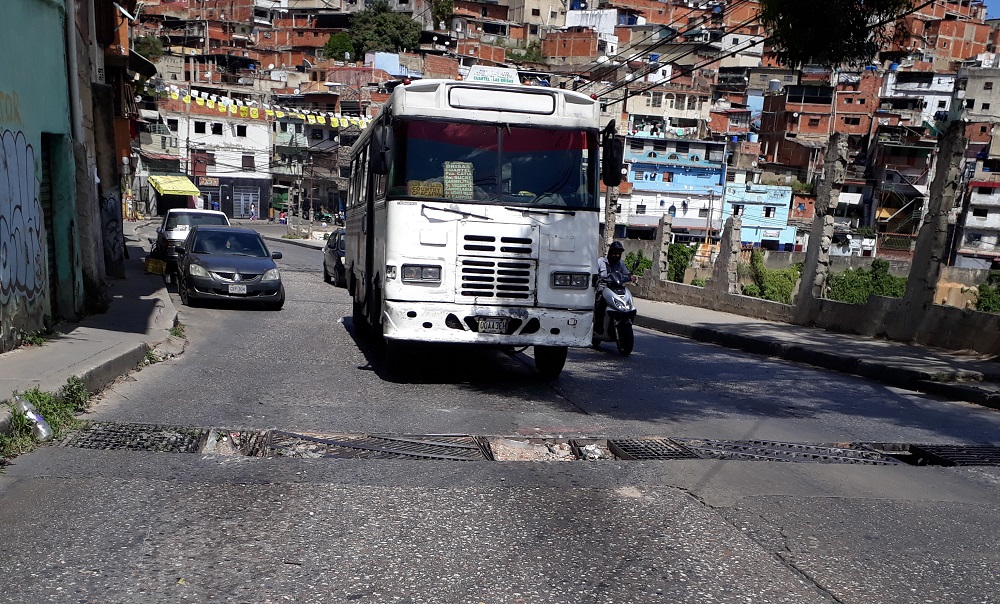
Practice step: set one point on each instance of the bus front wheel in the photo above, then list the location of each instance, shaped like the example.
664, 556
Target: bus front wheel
549, 360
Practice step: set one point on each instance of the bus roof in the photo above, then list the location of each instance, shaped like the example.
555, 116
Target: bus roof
464, 100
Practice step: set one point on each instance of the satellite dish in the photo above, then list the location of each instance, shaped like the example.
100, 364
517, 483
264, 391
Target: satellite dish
270, 65
296, 91
796, 114
138, 99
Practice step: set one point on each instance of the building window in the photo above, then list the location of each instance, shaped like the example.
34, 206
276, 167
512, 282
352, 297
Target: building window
345, 171
982, 130
987, 85
552, 14
702, 212
942, 104
736, 41
789, 78
298, 128
980, 212
683, 147
533, 29
852, 121
241, 130
284, 126
973, 237
814, 121
210, 159
769, 211
635, 144
199, 127
317, 134
737, 209
861, 101
986, 107
970, 103
172, 125
536, 12
656, 99
217, 128
483, 12
849, 100
668, 177
640, 209
248, 162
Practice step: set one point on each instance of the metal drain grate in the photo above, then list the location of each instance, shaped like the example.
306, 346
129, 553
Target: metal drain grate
137, 437
764, 450
649, 448
957, 455
364, 446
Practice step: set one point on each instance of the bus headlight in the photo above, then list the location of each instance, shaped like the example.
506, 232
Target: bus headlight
417, 273
571, 280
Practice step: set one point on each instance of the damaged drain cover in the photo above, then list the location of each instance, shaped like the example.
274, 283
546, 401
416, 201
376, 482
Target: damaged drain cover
763, 450
957, 455
645, 449
137, 437
369, 446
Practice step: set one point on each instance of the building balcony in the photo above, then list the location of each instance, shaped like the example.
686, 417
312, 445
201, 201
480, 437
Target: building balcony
984, 200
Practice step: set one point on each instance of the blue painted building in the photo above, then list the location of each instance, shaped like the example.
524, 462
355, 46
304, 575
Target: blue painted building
685, 178
764, 212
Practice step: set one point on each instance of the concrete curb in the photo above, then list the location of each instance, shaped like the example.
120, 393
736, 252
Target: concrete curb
904, 377
316, 245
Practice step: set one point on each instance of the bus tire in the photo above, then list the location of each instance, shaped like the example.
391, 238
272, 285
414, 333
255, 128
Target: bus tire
395, 357
549, 360
358, 318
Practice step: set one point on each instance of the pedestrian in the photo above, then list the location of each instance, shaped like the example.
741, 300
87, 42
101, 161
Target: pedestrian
253, 211
215, 205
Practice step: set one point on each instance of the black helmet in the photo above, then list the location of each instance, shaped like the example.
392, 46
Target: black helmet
616, 245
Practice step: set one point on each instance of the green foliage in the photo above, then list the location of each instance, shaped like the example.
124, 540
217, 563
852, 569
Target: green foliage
637, 263
988, 294
75, 394
699, 282
377, 28
34, 339
679, 257
177, 330
832, 32
531, 54
776, 285
804, 188
442, 10
854, 286
337, 45
151, 358
865, 231
150, 47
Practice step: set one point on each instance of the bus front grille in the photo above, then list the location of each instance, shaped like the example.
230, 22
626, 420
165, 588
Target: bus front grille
521, 247
499, 280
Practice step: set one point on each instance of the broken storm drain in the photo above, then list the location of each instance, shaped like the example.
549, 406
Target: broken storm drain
137, 437
448, 447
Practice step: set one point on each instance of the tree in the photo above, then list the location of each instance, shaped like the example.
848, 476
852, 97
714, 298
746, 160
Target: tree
377, 28
831, 32
442, 12
149, 47
337, 45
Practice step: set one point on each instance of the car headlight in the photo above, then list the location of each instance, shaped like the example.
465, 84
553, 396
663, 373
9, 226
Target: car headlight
571, 280
196, 270
417, 273
271, 275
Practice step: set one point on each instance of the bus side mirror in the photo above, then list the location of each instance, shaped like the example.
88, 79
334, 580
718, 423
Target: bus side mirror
612, 155
381, 157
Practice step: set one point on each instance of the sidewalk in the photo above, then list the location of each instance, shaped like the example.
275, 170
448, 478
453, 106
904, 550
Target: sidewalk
970, 377
101, 348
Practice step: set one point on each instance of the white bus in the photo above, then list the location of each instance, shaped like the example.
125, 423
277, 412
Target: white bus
472, 217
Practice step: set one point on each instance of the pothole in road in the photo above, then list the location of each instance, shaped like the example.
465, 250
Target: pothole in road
463, 447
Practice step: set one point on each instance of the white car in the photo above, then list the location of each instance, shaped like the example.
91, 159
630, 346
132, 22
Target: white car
174, 230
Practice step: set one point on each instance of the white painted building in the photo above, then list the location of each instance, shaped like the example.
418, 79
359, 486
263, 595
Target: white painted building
918, 91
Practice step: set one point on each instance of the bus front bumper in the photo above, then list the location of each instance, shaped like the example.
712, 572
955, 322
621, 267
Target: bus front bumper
501, 326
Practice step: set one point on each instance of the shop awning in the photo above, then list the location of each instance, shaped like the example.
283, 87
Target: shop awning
173, 185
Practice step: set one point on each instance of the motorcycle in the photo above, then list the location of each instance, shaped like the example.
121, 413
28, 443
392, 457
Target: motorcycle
614, 324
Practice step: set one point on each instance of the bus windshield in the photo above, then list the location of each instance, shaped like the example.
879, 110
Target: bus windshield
489, 163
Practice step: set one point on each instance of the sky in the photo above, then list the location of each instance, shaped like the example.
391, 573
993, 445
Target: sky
992, 9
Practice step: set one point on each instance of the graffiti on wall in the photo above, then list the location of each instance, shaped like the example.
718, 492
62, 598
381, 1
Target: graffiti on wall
22, 250
114, 234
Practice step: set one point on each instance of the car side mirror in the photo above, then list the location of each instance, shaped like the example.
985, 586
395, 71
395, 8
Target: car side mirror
180, 249
276, 255
159, 229
612, 155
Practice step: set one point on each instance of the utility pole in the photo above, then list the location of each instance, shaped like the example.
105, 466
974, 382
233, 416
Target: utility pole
311, 207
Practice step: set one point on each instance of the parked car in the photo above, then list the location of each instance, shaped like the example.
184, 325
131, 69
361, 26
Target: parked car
228, 263
174, 230
333, 259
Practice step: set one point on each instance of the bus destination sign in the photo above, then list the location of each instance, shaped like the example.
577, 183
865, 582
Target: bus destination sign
492, 75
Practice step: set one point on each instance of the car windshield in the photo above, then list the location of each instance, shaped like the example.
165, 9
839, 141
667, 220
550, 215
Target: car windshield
501, 164
177, 219
229, 244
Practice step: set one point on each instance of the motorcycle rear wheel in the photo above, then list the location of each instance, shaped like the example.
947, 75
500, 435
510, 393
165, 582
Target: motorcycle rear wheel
625, 339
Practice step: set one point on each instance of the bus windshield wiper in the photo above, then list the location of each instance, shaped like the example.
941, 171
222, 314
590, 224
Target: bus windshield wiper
546, 211
459, 212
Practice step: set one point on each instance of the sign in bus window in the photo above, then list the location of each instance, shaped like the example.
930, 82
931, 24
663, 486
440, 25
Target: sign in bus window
458, 182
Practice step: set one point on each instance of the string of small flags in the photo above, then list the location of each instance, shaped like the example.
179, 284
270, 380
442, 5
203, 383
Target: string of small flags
251, 110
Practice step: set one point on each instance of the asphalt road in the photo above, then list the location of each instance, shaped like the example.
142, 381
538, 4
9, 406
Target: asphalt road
134, 526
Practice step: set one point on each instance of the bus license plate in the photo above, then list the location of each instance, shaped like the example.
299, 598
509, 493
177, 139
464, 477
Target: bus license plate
492, 325
237, 289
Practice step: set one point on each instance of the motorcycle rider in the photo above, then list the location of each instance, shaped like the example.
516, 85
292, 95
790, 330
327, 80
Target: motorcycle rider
612, 263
